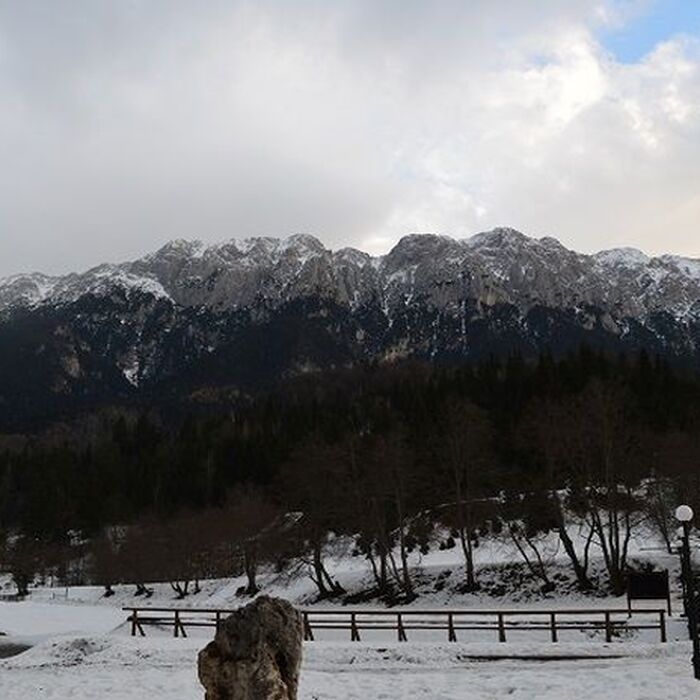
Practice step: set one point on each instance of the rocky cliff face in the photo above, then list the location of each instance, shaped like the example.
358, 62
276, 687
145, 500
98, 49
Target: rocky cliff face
246, 313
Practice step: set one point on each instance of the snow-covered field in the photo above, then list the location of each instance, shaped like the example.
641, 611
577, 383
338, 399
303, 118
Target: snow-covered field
159, 668
83, 651
80, 646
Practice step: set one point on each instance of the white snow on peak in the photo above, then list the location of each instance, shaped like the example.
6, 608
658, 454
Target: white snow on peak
551, 243
177, 248
30, 289
497, 238
259, 243
622, 257
687, 266
114, 276
525, 268
252, 251
35, 289
353, 256
302, 241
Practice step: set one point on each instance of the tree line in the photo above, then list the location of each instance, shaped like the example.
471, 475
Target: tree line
394, 456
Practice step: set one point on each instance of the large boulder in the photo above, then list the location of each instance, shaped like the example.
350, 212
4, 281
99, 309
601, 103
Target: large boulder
255, 655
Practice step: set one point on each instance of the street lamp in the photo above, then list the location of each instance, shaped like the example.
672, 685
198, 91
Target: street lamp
684, 514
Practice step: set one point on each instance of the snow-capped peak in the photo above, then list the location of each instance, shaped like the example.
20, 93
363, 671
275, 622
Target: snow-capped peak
623, 257
178, 248
502, 265
499, 237
687, 266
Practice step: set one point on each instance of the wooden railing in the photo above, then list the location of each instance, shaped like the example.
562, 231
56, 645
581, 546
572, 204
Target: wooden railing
610, 621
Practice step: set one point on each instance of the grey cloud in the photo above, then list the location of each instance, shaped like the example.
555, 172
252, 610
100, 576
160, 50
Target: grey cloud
124, 124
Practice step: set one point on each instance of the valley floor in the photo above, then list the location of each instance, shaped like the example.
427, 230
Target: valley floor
80, 648
83, 651
117, 667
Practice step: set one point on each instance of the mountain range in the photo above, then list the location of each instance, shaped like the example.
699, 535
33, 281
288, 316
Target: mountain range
243, 315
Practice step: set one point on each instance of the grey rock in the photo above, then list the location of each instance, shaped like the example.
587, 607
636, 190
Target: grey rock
255, 655
499, 266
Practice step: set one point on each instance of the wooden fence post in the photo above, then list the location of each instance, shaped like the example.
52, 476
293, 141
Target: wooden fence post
135, 624
662, 625
501, 628
179, 627
308, 632
354, 632
400, 628
553, 625
451, 636
608, 627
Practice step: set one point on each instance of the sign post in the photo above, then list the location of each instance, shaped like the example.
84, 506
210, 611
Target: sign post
648, 586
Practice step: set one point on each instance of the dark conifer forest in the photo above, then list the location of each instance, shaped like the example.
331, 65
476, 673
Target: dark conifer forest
383, 453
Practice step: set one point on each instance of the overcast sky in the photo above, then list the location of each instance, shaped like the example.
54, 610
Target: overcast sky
126, 123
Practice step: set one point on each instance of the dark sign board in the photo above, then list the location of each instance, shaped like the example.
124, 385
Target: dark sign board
648, 586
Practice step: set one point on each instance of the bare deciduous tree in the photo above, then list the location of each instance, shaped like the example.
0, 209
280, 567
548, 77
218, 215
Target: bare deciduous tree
465, 453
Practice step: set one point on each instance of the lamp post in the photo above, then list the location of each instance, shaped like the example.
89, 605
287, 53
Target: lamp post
684, 514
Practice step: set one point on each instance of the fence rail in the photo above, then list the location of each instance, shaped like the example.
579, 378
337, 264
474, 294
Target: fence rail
611, 621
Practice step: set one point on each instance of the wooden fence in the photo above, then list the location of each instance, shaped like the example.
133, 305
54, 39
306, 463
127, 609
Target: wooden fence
611, 621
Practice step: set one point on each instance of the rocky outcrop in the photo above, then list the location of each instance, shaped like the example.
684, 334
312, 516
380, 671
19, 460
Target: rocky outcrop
255, 655
499, 266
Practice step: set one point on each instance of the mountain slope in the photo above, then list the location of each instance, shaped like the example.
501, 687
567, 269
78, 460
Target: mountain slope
244, 314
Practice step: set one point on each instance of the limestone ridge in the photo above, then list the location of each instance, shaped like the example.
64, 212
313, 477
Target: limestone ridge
251, 311
499, 266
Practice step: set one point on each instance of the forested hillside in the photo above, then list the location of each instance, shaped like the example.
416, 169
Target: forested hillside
395, 456
244, 317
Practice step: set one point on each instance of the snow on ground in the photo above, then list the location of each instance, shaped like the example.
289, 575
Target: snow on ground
117, 667
83, 651
81, 648
437, 578
28, 623
45, 619
103, 661
438, 575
